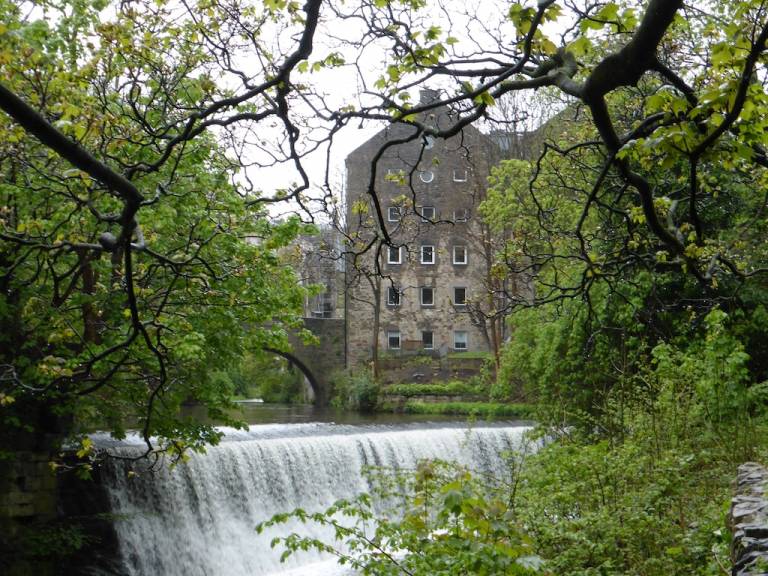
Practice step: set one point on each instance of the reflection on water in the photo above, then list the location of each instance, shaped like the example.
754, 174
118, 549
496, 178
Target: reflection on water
261, 413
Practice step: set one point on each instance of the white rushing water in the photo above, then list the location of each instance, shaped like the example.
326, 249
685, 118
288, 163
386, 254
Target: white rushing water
198, 519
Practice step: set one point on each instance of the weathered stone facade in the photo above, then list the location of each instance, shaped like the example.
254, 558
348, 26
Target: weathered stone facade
433, 281
321, 359
322, 265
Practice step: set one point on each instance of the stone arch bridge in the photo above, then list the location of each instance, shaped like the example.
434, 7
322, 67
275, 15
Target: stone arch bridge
318, 362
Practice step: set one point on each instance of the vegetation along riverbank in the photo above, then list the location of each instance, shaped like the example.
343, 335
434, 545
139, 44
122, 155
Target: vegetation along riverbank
554, 211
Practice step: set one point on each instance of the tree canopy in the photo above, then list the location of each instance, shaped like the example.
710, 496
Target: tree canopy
137, 138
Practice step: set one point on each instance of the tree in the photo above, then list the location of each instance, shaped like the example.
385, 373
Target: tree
675, 108
134, 260
112, 126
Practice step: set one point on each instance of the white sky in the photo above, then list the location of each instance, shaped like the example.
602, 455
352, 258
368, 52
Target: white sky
343, 86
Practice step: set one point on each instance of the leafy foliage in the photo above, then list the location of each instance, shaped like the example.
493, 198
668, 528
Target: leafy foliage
646, 493
263, 375
639, 488
453, 388
452, 523
109, 318
355, 390
473, 409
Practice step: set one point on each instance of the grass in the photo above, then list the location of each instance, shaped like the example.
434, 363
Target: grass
479, 409
469, 355
454, 388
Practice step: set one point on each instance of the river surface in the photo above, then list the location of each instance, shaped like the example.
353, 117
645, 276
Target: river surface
198, 518
256, 412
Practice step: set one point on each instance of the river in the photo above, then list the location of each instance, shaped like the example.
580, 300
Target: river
198, 518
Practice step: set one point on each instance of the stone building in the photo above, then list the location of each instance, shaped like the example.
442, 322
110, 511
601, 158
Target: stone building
431, 290
321, 264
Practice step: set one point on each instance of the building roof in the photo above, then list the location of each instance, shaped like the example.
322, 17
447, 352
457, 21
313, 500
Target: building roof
441, 117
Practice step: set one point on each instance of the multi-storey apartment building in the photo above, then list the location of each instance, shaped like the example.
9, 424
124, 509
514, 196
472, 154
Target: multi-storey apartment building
427, 291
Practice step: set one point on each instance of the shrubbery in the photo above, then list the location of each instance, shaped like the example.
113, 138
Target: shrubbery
453, 388
262, 375
440, 520
637, 484
475, 409
355, 391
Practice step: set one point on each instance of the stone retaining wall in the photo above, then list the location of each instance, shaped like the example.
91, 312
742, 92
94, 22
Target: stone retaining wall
27, 487
748, 521
28, 502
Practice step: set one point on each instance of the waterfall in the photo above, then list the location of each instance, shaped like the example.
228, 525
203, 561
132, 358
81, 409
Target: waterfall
198, 518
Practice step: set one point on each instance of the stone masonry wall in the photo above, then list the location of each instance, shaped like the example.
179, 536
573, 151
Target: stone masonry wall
28, 498
748, 521
28, 487
324, 358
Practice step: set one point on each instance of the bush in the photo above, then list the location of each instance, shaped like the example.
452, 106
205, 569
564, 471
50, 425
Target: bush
644, 490
454, 388
355, 391
267, 376
478, 409
440, 520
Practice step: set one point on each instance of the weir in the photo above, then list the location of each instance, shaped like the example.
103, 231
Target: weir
198, 518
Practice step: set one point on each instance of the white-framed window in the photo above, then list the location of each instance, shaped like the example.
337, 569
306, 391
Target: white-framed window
459, 296
393, 214
427, 254
427, 340
427, 213
393, 339
322, 305
427, 296
394, 255
461, 215
393, 296
428, 141
426, 176
460, 255
460, 340
459, 175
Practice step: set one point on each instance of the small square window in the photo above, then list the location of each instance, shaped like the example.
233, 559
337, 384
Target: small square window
393, 296
459, 175
460, 340
460, 255
427, 254
427, 213
393, 214
459, 296
461, 215
393, 339
394, 255
427, 340
427, 296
